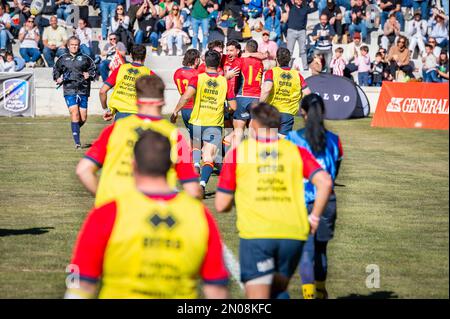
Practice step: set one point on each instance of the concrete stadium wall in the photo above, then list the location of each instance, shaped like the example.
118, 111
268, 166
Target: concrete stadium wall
50, 101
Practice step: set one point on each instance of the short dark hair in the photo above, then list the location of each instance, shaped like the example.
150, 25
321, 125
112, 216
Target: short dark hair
339, 49
152, 154
150, 86
283, 57
365, 48
378, 54
215, 43
234, 43
212, 59
190, 56
266, 115
138, 52
251, 46
429, 46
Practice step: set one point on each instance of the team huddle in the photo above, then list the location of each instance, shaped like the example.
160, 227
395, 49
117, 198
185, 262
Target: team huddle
145, 238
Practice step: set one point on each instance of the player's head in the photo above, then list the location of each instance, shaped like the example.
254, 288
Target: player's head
251, 46
216, 45
73, 44
138, 53
212, 59
191, 58
283, 57
313, 110
150, 92
233, 49
152, 155
264, 116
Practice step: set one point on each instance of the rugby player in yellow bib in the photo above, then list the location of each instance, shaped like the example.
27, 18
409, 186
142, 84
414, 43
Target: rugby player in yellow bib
150, 242
210, 91
113, 149
284, 88
264, 175
122, 80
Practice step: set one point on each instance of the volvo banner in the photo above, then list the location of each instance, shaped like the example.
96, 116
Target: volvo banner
17, 94
343, 98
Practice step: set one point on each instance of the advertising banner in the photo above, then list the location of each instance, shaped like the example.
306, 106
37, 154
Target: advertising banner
17, 94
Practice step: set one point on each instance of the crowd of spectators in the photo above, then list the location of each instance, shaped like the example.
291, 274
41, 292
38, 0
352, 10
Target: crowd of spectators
340, 43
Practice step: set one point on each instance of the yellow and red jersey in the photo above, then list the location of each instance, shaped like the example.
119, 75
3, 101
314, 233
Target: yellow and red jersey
210, 97
251, 77
123, 79
266, 177
150, 246
287, 90
113, 151
181, 78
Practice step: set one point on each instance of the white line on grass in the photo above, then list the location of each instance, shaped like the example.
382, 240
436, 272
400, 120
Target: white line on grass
232, 265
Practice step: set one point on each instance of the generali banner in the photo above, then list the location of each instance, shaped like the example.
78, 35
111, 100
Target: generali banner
413, 105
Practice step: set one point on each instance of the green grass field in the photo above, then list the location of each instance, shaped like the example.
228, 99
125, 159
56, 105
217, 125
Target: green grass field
393, 210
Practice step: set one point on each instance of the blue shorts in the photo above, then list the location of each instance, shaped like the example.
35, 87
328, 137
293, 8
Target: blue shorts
325, 231
77, 99
243, 107
186, 115
260, 257
208, 134
287, 123
121, 115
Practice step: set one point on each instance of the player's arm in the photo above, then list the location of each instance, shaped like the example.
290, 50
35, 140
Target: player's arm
305, 89
266, 86
87, 259
257, 55
323, 183
185, 170
188, 94
227, 183
214, 272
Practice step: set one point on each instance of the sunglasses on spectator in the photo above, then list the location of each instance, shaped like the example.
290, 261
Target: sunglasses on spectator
401, 41
114, 38
121, 9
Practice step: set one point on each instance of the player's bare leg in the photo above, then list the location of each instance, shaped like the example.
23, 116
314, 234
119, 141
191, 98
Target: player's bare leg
209, 152
239, 128
83, 116
259, 288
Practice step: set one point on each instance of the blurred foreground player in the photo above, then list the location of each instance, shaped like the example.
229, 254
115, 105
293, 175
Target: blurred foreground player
150, 242
113, 150
327, 149
264, 174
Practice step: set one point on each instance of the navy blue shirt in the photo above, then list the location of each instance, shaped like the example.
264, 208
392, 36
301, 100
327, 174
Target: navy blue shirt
298, 16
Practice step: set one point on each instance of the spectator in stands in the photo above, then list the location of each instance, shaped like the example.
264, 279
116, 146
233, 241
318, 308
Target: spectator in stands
133, 9
429, 65
353, 49
391, 31
334, 15
64, 9
416, 29
377, 70
84, 33
399, 58
443, 5
322, 34
391, 6
54, 39
119, 25
83, 9
316, 64
29, 37
108, 52
5, 25
148, 18
108, 8
338, 63
270, 47
438, 24
362, 61
386, 74
297, 20
436, 49
174, 33
358, 19
252, 10
422, 7
272, 21
200, 19
7, 63
443, 66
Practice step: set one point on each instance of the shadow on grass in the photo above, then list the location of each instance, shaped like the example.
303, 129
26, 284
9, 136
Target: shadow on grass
373, 295
28, 231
